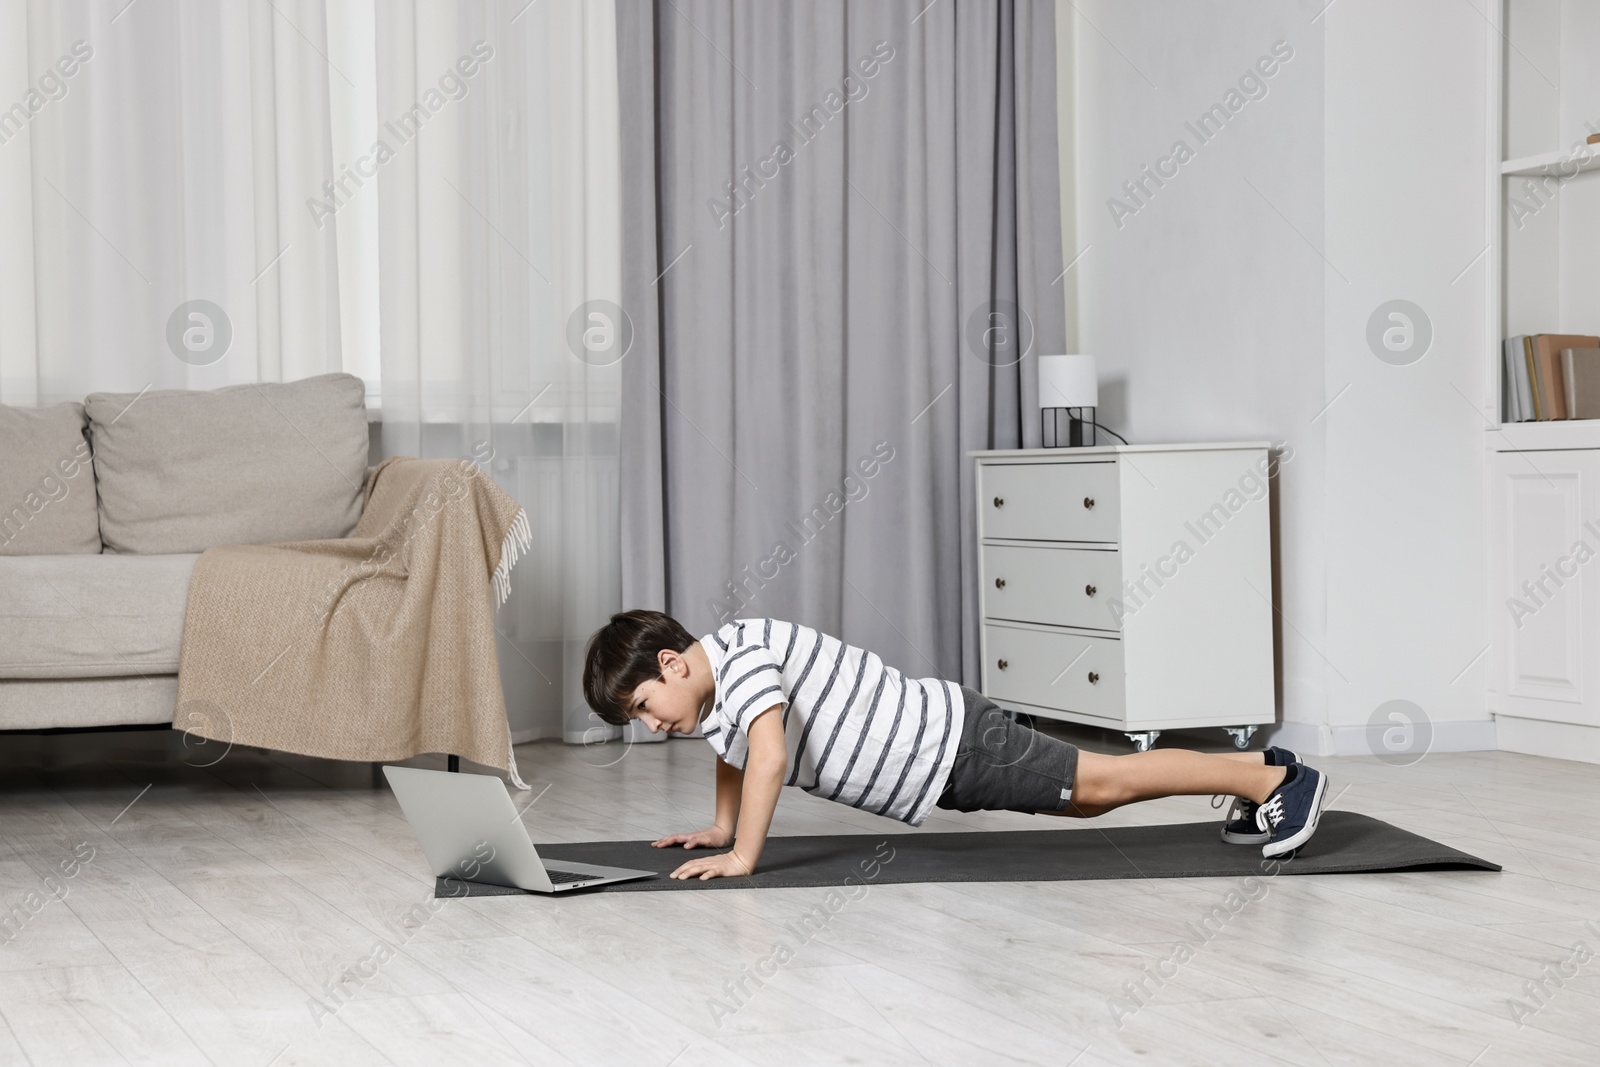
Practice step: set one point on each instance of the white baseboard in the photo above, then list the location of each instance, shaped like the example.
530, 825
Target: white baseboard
1508, 733
1306, 738
590, 736
1557, 740
1320, 739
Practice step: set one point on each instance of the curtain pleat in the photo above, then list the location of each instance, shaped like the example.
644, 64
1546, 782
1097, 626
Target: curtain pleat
855, 213
500, 243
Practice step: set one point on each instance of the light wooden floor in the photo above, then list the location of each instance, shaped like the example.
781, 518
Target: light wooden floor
220, 906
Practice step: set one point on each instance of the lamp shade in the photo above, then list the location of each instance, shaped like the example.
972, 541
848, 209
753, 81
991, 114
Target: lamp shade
1068, 382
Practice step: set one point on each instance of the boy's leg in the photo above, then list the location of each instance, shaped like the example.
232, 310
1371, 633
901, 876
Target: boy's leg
1103, 783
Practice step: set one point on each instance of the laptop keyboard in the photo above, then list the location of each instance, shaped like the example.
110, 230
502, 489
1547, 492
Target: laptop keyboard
563, 877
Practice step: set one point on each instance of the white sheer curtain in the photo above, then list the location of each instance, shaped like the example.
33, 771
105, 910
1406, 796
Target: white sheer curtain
162, 152
499, 228
421, 193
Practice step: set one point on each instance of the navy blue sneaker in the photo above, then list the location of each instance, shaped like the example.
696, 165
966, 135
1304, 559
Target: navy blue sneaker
1292, 811
1239, 828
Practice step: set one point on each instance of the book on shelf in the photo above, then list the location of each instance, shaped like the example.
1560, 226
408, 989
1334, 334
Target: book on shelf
1580, 371
1522, 381
1517, 404
1538, 384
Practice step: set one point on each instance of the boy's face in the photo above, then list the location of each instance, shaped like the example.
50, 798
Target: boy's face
672, 704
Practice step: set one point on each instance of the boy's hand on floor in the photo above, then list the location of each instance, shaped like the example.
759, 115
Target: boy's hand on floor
722, 865
716, 837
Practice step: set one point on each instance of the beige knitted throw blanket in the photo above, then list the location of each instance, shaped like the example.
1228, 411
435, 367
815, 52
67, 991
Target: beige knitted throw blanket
376, 646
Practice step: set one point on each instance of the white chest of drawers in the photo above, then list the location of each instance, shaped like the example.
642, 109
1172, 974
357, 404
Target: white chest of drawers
1129, 587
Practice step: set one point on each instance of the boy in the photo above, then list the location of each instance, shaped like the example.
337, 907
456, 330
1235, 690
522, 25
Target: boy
785, 705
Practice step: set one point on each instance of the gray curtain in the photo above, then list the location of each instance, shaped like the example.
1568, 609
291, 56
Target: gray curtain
842, 240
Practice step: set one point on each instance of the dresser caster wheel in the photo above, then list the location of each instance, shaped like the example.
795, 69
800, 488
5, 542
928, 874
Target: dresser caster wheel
1143, 742
1241, 735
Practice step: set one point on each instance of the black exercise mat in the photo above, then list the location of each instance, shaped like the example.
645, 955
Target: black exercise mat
1345, 843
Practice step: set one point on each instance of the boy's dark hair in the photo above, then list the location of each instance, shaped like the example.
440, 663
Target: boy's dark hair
622, 654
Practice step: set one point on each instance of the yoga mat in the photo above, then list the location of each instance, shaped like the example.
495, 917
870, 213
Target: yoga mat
1345, 843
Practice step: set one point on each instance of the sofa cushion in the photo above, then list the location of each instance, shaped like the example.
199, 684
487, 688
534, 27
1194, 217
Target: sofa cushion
46, 483
181, 471
98, 616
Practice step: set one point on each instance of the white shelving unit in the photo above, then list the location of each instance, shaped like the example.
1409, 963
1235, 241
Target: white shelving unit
1563, 164
1544, 257
1544, 477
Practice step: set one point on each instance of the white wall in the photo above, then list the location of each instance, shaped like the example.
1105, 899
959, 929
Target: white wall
1405, 188
1232, 304
1205, 307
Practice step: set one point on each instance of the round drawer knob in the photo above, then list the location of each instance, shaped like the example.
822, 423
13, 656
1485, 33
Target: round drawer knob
999, 583
1093, 677
999, 501
1089, 590
1002, 664
1088, 501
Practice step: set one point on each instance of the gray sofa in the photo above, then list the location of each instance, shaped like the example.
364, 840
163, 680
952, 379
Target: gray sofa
106, 506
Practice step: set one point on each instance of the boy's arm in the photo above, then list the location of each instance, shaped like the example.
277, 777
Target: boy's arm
764, 768
730, 782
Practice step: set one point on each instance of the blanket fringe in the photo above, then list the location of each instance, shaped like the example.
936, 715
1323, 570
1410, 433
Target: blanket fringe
511, 767
518, 539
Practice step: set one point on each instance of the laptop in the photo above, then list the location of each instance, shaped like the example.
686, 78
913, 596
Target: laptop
470, 830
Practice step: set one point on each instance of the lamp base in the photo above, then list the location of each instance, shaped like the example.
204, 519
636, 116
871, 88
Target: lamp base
1080, 430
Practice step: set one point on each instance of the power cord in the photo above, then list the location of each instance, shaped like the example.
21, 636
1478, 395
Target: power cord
1113, 433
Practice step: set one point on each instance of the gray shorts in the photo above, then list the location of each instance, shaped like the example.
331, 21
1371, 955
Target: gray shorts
1002, 765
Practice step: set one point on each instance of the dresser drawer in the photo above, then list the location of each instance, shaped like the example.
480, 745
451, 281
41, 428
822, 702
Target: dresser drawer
1054, 670
1049, 501
1058, 586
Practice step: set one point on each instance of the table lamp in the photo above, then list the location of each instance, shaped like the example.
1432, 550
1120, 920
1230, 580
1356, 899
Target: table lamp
1066, 383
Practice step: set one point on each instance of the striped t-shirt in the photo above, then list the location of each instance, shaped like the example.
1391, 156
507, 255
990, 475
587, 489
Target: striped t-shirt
858, 732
